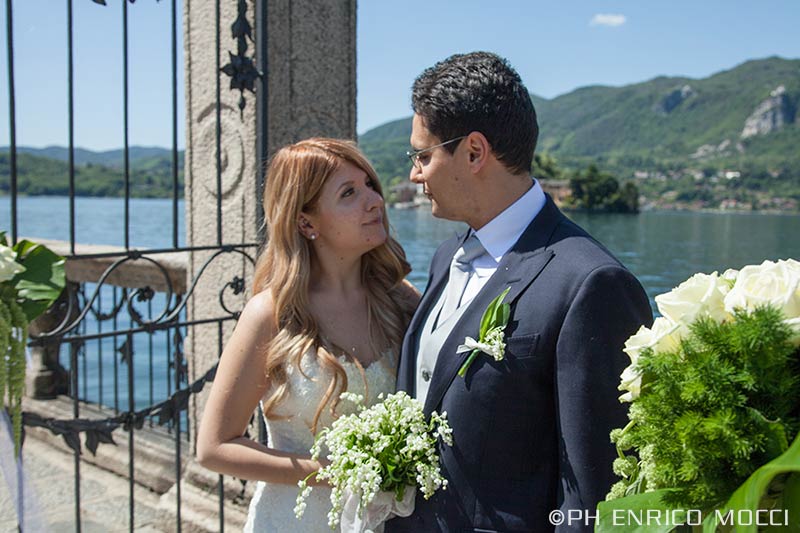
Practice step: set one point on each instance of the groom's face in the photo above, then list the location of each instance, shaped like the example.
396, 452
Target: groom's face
443, 179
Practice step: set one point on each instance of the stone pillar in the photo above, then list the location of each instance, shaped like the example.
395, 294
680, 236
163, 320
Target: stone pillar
45, 378
309, 80
311, 69
306, 51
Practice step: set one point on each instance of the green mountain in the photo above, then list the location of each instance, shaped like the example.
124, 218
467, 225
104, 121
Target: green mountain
739, 119
109, 158
46, 172
667, 117
385, 147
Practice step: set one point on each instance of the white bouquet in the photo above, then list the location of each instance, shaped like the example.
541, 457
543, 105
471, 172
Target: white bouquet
714, 404
378, 457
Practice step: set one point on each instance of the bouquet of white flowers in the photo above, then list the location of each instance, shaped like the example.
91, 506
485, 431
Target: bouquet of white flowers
389, 448
714, 388
31, 279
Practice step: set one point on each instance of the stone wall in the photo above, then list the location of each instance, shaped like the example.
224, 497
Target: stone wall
309, 84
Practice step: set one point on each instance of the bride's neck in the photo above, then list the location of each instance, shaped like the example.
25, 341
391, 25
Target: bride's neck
336, 274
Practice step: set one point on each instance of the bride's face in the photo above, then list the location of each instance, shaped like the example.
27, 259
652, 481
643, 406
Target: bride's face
348, 216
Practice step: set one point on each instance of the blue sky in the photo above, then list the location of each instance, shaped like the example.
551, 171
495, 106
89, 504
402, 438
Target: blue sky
556, 46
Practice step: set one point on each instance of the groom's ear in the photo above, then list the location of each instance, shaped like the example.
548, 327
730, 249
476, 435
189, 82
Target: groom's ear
478, 150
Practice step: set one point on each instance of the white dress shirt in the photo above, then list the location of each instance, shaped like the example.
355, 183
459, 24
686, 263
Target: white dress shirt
499, 235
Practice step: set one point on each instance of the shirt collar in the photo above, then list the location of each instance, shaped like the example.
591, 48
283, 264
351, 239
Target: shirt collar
504, 230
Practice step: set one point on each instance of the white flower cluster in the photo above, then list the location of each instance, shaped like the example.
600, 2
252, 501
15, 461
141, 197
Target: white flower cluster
388, 447
493, 345
715, 297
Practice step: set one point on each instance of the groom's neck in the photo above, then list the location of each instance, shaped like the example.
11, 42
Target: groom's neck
496, 191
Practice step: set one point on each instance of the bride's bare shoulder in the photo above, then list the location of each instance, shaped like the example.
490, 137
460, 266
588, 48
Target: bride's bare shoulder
258, 313
262, 303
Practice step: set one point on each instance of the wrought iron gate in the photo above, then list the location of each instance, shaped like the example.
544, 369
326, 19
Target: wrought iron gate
119, 339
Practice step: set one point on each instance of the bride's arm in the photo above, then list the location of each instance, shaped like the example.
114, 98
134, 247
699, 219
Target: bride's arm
239, 384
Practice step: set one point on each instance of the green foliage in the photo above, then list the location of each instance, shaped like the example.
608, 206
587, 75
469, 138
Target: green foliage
22, 298
545, 166
776, 485
496, 314
13, 336
43, 279
599, 191
712, 411
637, 505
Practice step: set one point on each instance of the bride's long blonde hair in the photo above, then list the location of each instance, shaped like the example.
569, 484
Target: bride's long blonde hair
294, 181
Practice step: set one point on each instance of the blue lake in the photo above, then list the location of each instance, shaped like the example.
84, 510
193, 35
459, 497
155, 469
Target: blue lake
662, 248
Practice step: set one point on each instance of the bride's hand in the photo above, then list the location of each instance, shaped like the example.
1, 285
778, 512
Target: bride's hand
313, 481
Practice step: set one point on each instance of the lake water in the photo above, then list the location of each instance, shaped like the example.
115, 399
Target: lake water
661, 248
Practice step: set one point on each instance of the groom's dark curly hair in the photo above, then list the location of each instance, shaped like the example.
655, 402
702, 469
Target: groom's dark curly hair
480, 92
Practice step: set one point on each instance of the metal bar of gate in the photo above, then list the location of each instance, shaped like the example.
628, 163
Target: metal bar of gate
73, 369
174, 39
126, 148
12, 119
219, 131
71, 127
131, 429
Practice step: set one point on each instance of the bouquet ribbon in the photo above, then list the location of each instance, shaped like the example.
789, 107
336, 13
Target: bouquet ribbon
378, 511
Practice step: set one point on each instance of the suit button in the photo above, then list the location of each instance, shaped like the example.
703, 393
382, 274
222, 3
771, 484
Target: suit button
426, 375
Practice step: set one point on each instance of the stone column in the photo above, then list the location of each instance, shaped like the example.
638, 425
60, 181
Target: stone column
306, 52
309, 81
45, 378
311, 51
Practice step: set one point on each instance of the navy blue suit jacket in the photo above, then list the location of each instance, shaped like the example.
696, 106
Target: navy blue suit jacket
531, 432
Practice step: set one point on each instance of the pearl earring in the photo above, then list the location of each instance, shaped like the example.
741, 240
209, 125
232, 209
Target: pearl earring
313, 236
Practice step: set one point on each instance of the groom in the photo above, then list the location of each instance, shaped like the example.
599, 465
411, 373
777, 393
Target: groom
531, 430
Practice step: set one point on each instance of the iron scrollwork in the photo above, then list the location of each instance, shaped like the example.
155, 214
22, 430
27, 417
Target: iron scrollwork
241, 68
79, 305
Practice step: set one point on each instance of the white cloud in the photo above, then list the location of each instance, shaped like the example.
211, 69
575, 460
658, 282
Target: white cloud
608, 19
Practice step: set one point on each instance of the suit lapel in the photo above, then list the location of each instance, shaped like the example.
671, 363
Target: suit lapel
517, 270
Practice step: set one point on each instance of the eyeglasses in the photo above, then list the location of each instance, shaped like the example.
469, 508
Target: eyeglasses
413, 155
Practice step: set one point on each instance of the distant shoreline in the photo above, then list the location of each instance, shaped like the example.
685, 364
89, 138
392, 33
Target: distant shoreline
712, 211
426, 205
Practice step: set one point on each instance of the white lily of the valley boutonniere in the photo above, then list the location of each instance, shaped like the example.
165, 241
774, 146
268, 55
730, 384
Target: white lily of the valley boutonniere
491, 340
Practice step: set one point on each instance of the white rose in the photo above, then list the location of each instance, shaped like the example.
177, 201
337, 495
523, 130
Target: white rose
730, 276
791, 265
777, 284
8, 264
700, 295
662, 337
630, 381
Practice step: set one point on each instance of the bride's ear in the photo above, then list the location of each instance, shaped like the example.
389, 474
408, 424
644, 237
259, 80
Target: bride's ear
306, 228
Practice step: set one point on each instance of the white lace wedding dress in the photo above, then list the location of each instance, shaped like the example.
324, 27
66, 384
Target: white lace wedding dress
272, 506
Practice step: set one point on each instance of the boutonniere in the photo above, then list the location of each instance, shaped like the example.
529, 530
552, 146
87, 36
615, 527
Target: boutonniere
491, 340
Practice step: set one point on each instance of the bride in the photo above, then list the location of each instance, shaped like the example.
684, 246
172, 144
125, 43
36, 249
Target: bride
329, 310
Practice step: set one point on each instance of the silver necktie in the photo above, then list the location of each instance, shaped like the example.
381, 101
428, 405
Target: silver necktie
460, 269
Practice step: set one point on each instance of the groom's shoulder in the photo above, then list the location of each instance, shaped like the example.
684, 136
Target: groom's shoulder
577, 250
